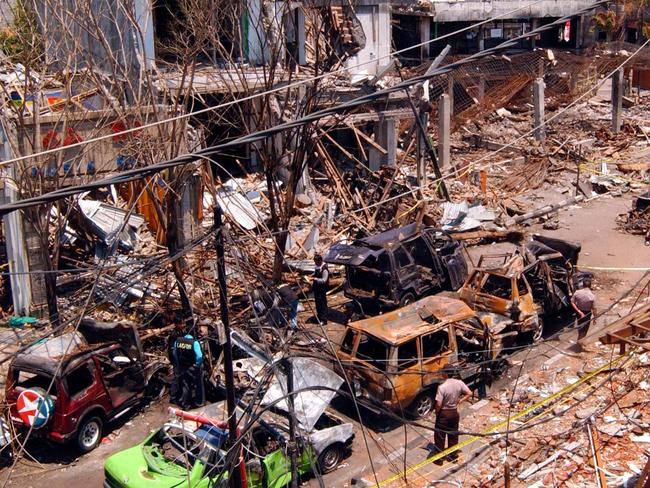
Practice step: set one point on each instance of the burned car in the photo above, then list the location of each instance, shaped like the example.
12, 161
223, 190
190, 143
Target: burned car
398, 266
398, 359
66, 388
178, 450
526, 286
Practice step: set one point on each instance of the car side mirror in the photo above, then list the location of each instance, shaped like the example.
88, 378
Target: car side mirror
121, 360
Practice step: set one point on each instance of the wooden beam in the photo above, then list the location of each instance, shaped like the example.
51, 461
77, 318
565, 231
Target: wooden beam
341, 148
370, 141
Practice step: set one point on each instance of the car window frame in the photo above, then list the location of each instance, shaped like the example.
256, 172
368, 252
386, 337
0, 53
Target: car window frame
90, 365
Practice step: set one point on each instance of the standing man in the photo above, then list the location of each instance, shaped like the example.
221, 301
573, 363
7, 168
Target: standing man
320, 285
583, 302
449, 396
188, 363
176, 389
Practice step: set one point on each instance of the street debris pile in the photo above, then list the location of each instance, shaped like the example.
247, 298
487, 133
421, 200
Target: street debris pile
595, 430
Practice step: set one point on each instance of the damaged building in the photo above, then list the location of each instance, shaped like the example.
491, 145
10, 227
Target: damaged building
293, 222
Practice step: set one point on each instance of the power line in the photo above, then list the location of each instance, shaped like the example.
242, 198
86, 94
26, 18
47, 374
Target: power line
138, 173
271, 91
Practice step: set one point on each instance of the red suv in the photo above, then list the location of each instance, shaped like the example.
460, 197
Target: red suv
67, 388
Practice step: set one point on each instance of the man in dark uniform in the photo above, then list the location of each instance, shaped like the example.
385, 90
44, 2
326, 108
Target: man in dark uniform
175, 389
187, 358
320, 286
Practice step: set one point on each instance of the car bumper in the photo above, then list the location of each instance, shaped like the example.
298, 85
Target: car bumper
44, 433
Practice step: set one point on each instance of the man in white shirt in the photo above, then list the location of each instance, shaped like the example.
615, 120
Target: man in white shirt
451, 393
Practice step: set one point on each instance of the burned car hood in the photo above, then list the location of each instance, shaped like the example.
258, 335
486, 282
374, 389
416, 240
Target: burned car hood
309, 405
349, 255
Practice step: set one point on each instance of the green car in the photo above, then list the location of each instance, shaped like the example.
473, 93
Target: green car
186, 454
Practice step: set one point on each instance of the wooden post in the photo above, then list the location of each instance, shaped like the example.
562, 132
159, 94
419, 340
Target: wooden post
506, 475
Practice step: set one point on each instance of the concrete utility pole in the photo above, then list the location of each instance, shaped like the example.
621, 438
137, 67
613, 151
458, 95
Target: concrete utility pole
538, 104
444, 130
617, 101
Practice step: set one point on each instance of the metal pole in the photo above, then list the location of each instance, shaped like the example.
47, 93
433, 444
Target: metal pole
235, 480
292, 448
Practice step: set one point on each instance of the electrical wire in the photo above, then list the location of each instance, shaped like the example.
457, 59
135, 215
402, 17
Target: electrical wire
284, 87
138, 173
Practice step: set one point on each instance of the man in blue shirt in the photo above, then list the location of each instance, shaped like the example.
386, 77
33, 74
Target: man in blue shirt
187, 359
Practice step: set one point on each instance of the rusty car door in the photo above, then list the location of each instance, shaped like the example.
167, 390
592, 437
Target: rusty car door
408, 380
494, 294
437, 348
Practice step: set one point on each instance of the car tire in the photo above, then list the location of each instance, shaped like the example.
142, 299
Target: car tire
423, 405
89, 433
406, 299
155, 387
329, 458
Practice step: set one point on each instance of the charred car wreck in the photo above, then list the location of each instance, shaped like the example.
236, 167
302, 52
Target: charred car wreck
68, 387
397, 359
398, 266
522, 289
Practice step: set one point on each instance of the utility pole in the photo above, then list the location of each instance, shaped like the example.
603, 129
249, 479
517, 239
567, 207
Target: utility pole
292, 448
234, 477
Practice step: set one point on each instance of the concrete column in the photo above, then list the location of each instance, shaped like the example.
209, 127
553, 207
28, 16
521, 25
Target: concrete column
425, 35
538, 105
444, 131
534, 24
187, 216
617, 101
422, 151
386, 137
301, 37
481, 39
21, 292
450, 92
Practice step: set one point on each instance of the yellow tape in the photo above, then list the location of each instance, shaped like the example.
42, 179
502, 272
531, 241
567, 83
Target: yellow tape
499, 425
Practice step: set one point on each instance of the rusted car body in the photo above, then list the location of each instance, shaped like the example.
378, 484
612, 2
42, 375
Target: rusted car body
525, 286
396, 267
397, 359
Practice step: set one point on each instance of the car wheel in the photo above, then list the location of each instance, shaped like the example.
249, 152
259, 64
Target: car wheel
155, 387
89, 434
423, 405
329, 459
406, 299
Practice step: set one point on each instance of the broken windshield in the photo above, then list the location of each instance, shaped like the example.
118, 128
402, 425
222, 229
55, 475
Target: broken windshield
175, 449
